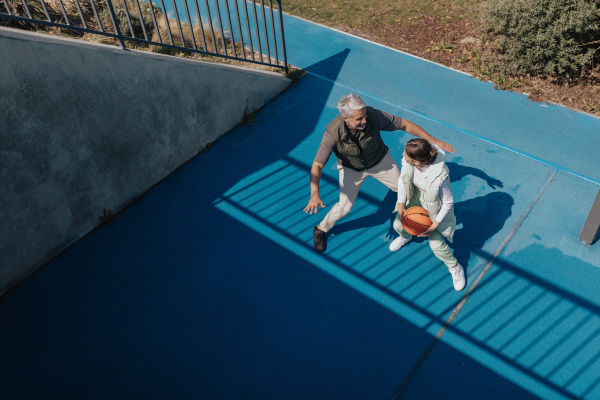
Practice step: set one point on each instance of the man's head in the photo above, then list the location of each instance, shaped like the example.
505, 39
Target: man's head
353, 111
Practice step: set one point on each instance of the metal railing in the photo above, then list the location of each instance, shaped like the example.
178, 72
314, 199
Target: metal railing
249, 31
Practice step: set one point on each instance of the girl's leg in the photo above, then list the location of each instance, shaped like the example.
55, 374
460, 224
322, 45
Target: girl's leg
404, 237
443, 252
441, 249
398, 228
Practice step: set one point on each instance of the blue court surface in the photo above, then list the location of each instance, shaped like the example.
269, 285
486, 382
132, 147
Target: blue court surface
209, 287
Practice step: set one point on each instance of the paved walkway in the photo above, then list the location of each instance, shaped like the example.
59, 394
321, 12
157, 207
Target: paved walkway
209, 287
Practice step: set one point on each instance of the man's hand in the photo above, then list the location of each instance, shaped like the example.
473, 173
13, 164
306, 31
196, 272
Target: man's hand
313, 205
416, 130
315, 178
444, 146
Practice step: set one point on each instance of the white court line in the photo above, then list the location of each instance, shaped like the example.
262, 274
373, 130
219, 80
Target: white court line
419, 114
467, 295
406, 381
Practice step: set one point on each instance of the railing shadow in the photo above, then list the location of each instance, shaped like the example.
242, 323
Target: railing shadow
384, 213
478, 219
424, 288
221, 254
522, 310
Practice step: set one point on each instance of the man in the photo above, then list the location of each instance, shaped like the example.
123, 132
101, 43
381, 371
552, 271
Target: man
354, 137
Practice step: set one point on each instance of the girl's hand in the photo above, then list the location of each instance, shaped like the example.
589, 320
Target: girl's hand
430, 230
400, 209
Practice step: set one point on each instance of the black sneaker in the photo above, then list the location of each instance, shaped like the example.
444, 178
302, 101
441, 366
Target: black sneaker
319, 239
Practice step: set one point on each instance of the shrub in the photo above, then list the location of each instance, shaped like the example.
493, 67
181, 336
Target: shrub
558, 37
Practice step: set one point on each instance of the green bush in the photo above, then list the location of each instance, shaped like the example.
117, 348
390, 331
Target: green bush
559, 37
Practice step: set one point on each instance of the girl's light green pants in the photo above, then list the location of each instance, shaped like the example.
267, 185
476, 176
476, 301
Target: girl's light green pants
436, 241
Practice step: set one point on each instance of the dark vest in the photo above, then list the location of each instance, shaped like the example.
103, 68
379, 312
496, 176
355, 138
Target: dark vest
360, 152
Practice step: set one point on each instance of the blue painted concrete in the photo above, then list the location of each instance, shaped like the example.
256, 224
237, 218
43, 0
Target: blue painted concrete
536, 317
209, 287
443, 96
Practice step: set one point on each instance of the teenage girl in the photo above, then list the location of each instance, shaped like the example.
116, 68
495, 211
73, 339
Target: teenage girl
424, 181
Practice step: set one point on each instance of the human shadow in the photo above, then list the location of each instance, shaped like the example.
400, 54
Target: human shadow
457, 172
481, 218
387, 206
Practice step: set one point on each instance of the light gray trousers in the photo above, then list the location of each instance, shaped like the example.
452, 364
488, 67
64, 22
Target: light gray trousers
436, 241
386, 171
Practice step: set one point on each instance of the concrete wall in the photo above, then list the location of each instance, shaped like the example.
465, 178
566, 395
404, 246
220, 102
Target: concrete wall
86, 127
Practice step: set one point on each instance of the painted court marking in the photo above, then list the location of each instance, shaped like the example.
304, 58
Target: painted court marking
470, 291
408, 378
419, 114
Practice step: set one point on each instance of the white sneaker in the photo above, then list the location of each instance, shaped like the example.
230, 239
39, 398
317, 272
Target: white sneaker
399, 242
458, 277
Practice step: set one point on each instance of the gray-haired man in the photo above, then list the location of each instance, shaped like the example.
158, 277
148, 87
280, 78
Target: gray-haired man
354, 137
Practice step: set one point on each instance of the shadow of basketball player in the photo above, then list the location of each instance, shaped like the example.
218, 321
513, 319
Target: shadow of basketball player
385, 212
478, 219
457, 172
481, 218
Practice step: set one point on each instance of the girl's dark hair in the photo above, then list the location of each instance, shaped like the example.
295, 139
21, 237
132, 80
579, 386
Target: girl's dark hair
421, 150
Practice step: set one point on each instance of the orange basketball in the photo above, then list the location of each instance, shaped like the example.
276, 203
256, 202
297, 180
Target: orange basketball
415, 220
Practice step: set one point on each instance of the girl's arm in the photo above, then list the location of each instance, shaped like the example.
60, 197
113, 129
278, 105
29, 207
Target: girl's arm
447, 202
401, 195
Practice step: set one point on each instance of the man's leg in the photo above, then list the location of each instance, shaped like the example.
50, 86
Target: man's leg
386, 171
350, 182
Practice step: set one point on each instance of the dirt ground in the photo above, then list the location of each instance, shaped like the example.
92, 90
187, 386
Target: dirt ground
456, 43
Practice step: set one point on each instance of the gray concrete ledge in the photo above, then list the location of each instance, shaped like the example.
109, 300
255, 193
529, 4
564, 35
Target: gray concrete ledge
86, 127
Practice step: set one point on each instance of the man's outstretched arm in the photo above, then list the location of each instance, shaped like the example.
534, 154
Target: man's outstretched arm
416, 130
315, 179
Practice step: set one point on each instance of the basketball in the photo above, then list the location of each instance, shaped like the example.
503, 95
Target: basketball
415, 220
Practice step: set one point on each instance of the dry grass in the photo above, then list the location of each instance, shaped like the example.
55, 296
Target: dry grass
168, 33
448, 32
